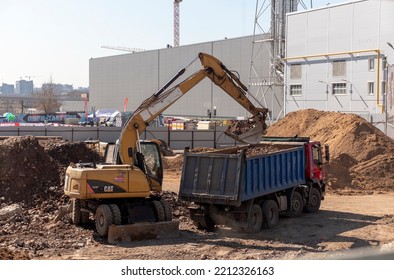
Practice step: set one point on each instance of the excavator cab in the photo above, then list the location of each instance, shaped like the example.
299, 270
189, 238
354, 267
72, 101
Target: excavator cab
151, 161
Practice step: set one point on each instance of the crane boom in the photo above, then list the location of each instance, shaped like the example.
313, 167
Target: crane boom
124, 49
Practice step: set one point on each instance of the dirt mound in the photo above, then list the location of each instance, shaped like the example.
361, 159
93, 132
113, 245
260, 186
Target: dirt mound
34, 169
27, 170
361, 155
6, 254
165, 150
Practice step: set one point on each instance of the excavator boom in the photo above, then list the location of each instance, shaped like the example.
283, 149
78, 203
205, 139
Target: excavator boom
212, 68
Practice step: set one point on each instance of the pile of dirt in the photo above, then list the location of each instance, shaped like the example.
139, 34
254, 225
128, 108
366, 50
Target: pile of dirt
33, 170
362, 156
165, 150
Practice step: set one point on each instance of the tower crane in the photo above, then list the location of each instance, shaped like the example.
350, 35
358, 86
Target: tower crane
124, 49
176, 22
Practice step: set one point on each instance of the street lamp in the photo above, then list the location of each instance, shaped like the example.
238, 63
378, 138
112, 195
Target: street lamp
323, 82
351, 85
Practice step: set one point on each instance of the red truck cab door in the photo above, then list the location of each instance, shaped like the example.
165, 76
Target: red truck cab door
314, 167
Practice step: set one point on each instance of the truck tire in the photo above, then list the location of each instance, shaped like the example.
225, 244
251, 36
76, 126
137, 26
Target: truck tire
116, 214
296, 205
76, 212
270, 213
314, 201
103, 219
167, 210
255, 219
159, 211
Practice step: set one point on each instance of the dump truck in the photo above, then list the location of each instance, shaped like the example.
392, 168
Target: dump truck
248, 187
127, 191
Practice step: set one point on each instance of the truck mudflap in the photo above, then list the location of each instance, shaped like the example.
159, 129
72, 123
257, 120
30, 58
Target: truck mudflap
140, 231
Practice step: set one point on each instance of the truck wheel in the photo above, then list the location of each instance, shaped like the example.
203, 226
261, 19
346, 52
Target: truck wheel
159, 211
255, 219
116, 214
103, 219
167, 210
314, 201
76, 214
270, 214
296, 206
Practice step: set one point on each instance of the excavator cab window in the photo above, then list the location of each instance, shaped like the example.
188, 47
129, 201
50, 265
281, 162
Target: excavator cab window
153, 164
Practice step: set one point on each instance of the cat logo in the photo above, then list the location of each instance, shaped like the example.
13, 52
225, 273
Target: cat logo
108, 188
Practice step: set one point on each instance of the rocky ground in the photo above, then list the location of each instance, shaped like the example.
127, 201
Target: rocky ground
357, 212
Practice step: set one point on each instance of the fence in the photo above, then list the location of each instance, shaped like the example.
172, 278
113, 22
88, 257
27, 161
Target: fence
176, 139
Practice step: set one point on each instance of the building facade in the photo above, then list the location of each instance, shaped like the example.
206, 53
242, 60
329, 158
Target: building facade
337, 59
7, 89
136, 76
24, 87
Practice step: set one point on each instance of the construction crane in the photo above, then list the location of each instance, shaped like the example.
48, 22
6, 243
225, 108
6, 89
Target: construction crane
176, 22
124, 49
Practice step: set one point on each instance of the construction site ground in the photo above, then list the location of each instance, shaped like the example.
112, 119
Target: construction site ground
357, 212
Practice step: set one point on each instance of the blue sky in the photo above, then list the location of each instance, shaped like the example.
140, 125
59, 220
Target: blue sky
54, 39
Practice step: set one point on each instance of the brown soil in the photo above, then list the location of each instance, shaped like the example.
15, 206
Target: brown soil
362, 163
362, 158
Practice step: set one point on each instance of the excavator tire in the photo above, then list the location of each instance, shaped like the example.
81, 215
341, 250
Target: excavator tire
103, 219
76, 213
167, 210
116, 214
159, 210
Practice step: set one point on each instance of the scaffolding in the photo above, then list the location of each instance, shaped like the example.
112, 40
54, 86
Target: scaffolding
266, 83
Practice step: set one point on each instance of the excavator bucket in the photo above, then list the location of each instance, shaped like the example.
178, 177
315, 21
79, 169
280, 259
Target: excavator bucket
247, 131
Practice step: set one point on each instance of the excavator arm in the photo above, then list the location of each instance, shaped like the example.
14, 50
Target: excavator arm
161, 100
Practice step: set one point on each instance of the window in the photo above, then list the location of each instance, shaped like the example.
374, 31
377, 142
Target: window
339, 88
295, 90
383, 89
371, 64
371, 88
339, 68
295, 71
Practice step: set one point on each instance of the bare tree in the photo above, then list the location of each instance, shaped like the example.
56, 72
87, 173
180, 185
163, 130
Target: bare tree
47, 99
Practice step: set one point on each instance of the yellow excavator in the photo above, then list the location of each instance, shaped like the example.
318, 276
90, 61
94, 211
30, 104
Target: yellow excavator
127, 191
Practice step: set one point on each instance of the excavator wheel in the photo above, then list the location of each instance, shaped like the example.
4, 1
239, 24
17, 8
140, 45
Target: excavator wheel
167, 210
76, 213
103, 219
116, 214
159, 210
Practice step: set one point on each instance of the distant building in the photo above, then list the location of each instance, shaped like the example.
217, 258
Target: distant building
7, 89
24, 87
59, 88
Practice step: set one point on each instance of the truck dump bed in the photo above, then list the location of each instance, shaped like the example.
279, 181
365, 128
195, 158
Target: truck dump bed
231, 176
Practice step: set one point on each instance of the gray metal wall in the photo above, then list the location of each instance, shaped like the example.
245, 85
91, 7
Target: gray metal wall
176, 139
137, 76
316, 38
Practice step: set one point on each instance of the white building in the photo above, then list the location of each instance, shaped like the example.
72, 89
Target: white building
136, 76
336, 59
